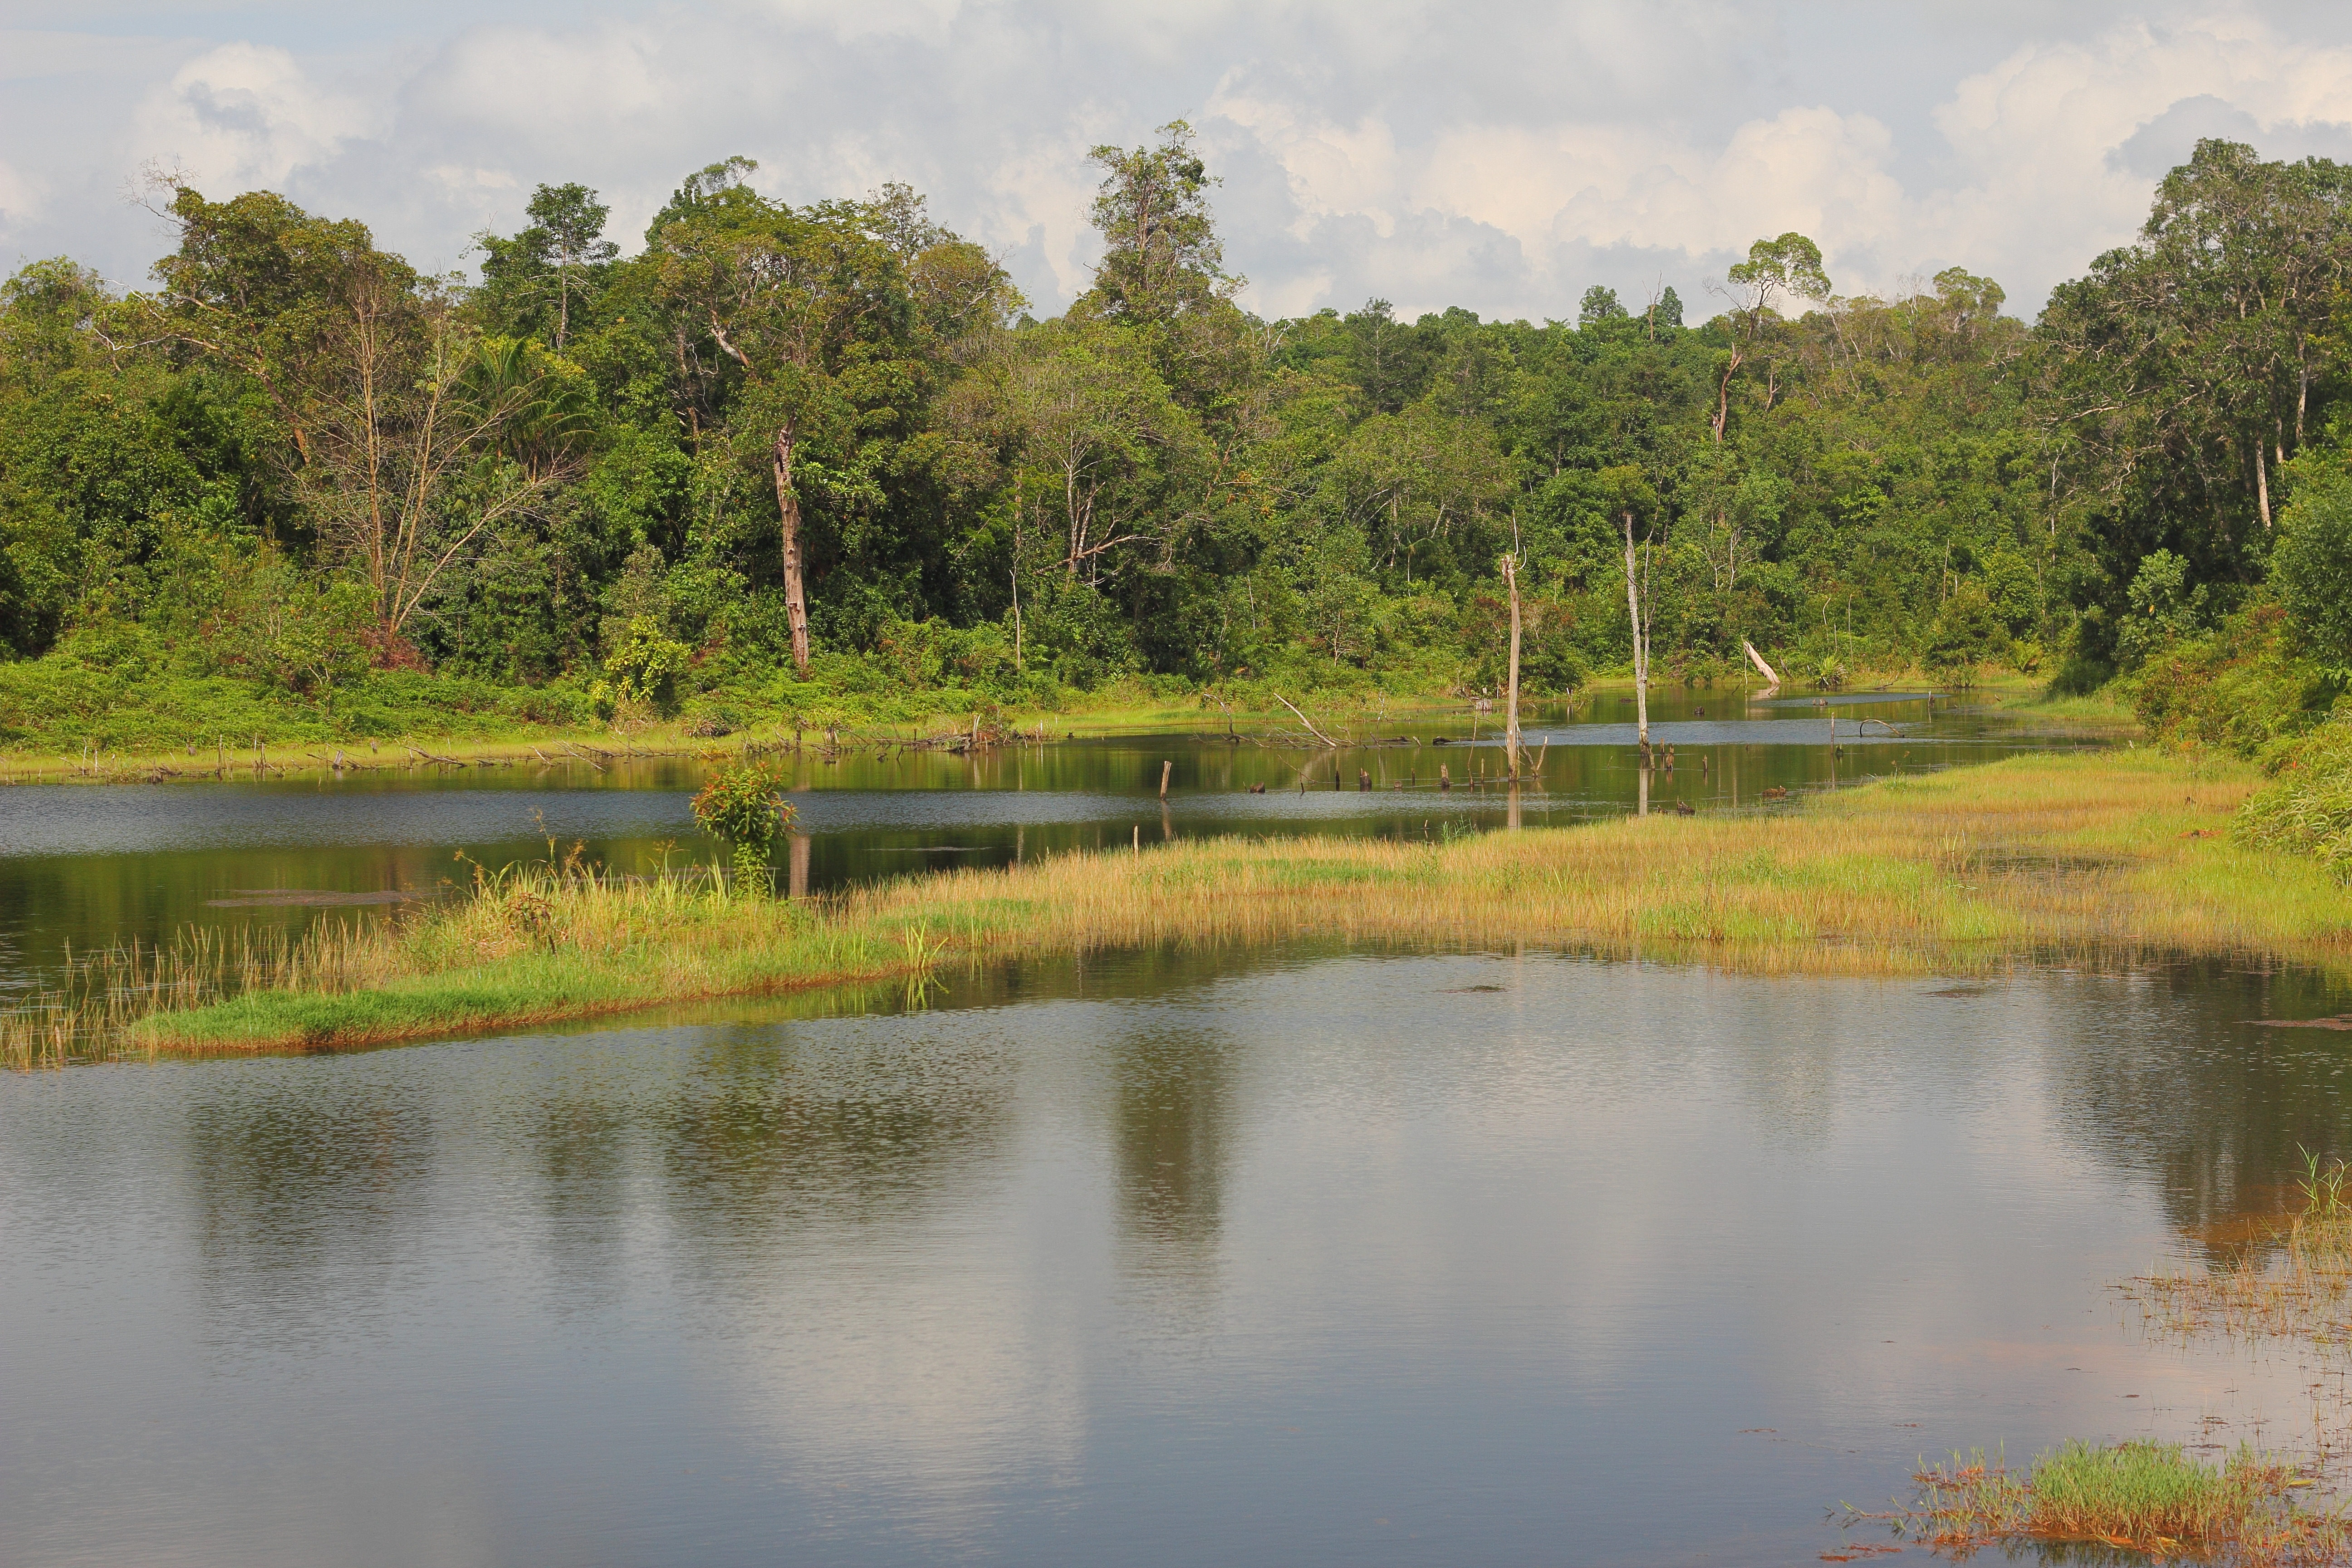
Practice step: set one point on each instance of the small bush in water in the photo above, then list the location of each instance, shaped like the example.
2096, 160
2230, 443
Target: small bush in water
744, 805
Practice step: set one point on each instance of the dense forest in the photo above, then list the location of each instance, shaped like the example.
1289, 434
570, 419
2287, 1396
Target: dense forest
793, 462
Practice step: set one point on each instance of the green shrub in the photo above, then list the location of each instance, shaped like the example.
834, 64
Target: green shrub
643, 670
1967, 633
744, 805
2307, 807
2237, 689
2312, 566
2163, 608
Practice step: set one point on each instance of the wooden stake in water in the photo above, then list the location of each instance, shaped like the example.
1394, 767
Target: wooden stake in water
1166, 767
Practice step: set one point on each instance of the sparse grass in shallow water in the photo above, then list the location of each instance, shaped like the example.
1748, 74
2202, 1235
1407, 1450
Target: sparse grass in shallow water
2291, 1282
2144, 1496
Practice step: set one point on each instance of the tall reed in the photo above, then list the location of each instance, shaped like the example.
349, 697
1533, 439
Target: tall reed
88, 1010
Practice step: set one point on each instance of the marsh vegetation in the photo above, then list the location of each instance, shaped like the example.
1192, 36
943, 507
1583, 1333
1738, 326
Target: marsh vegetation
2051, 857
2151, 1497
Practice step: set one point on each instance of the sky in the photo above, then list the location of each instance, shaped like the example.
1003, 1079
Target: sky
1499, 155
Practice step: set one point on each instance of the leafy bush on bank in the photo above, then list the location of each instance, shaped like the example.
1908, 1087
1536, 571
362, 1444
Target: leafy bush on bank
63, 702
2307, 807
2244, 686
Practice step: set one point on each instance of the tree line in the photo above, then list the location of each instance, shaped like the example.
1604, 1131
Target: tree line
782, 452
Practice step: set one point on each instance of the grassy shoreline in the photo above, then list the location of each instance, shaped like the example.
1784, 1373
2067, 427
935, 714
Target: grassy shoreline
2031, 858
1114, 711
522, 745
534, 746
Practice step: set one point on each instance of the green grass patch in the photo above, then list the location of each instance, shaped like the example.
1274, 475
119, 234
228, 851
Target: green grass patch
2154, 1498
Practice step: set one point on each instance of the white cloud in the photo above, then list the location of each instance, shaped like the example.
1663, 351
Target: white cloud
2040, 133
244, 115
17, 198
2035, 139
1495, 154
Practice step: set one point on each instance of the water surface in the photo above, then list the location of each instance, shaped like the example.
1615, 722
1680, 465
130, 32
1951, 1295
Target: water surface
1329, 1259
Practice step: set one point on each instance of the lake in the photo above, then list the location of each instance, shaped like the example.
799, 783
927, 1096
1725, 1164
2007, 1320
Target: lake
1318, 1258
1308, 1258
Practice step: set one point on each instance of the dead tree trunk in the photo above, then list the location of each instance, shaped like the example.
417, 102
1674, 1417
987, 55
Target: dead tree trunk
1641, 646
795, 594
1511, 693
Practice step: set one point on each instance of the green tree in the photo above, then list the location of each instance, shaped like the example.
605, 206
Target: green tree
2313, 565
562, 255
390, 413
799, 303
1161, 255
2182, 371
1775, 270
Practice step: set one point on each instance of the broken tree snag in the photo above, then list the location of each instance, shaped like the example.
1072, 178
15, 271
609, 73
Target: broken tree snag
1757, 660
1640, 647
788, 507
1303, 718
1511, 718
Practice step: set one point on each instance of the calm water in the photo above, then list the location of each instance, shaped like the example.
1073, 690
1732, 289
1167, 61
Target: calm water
1327, 1260
88, 866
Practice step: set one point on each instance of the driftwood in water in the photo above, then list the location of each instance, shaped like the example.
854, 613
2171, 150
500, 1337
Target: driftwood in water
1303, 718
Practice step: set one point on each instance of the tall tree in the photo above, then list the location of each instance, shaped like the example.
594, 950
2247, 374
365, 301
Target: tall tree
832, 332
1775, 270
561, 254
1161, 255
390, 420
2183, 370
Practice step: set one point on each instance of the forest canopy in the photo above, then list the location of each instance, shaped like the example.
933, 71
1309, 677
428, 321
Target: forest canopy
776, 457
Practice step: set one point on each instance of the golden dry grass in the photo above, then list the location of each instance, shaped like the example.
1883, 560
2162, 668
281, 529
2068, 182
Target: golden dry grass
2016, 860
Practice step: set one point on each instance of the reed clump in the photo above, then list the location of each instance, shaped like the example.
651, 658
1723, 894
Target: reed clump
2144, 1496
94, 1006
2019, 861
